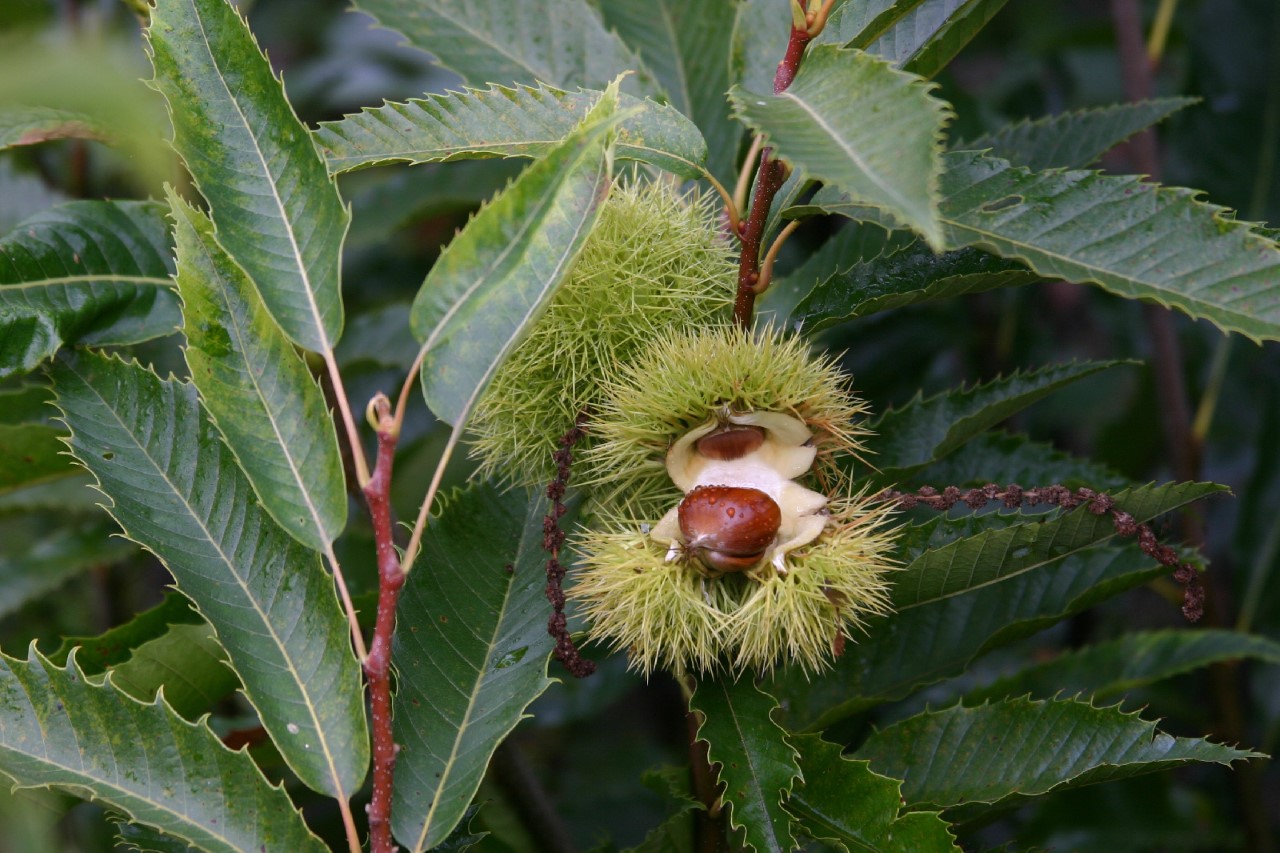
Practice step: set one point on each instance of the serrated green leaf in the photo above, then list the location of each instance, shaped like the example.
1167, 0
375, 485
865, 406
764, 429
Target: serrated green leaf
560, 42
852, 244
858, 24
30, 454
909, 276
1076, 139
994, 555
758, 765
846, 802
1000, 457
278, 213
934, 641
37, 558
28, 125
143, 839
931, 35
497, 275
68, 495
259, 391
175, 488
84, 272
520, 121
920, 35
1134, 239
97, 654
1025, 747
60, 730
926, 430
1103, 670
187, 662
471, 652
760, 36
853, 121
687, 46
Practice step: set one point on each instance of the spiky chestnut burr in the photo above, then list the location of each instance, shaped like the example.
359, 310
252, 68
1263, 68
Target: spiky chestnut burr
761, 556
655, 262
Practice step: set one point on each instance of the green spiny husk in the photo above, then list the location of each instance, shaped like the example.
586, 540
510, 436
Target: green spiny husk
682, 379
655, 262
671, 615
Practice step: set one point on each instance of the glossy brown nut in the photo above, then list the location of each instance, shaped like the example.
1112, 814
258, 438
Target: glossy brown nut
729, 527
731, 442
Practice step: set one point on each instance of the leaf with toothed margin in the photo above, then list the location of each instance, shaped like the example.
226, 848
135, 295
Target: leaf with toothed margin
1022, 747
943, 570
60, 730
92, 272
255, 385
758, 765
277, 210
471, 653
926, 430
1104, 670
1134, 239
520, 121
1076, 139
923, 645
688, 47
845, 801
496, 277
176, 489
560, 42
855, 122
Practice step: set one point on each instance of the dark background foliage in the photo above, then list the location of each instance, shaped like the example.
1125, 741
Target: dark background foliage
1037, 57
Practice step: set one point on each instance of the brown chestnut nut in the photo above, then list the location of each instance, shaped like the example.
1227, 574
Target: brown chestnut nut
730, 442
729, 528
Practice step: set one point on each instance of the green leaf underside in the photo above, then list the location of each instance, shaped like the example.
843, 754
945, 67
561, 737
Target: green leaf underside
757, 764
1025, 747
907, 277
930, 35
143, 839
560, 42
68, 495
497, 275
261, 394
860, 24
1134, 239
1115, 667
114, 646
845, 801
277, 211
1076, 139
994, 555
520, 121
934, 641
471, 652
37, 562
88, 271
58, 729
1001, 457
925, 430
175, 488
30, 454
25, 125
856, 123
187, 662
688, 47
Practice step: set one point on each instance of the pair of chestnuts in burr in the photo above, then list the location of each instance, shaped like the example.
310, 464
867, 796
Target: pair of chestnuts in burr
742, 508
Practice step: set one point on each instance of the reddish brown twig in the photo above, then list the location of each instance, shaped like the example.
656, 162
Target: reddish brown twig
377, 666
552, 540
769, 178
1013, 496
